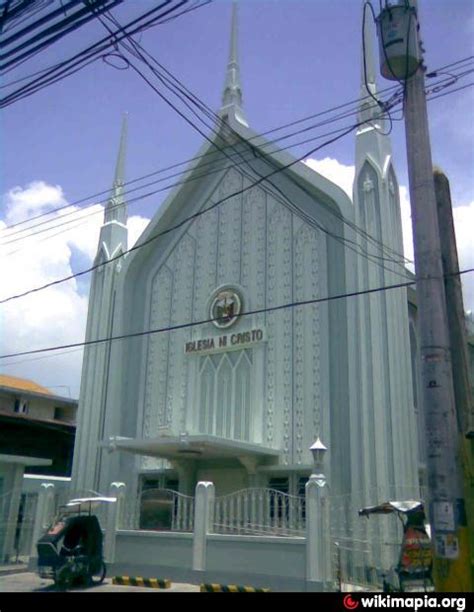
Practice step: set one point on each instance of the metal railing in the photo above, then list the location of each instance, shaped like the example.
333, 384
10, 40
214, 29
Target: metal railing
260, 511
159, 510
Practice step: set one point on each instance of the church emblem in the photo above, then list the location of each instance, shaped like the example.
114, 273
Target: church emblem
226, 307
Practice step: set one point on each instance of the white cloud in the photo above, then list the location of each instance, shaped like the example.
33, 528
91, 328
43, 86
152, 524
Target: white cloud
36, 199
57, 315
464, 224
406, 226
333, 170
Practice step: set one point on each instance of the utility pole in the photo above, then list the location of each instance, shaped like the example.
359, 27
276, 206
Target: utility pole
400, 55
460, 360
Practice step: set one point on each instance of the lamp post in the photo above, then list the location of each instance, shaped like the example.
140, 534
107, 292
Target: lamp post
318, 450
318, 539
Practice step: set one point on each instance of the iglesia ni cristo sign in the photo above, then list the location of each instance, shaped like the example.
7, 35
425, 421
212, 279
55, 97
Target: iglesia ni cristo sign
237, 340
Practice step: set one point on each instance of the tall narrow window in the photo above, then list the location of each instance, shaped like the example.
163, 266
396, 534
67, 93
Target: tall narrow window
206, 421
225, 395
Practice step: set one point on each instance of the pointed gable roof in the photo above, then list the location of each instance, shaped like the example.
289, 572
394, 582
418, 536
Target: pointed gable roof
233, 135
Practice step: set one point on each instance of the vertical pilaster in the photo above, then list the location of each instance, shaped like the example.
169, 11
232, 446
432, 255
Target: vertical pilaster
114, 519
318, 541
203, 520
43, 514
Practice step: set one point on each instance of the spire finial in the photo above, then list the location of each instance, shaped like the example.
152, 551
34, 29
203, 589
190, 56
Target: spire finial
116, 209
232, 95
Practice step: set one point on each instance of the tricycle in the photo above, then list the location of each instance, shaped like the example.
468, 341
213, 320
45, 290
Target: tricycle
415, 562
70, 552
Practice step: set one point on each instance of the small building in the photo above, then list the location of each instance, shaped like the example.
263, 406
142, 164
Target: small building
37, 430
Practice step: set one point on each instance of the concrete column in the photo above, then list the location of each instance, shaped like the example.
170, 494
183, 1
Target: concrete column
44, 511
113, 519
12, 513
318, 539
186, 474
203, 520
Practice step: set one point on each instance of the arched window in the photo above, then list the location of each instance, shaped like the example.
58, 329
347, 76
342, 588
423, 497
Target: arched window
225, 395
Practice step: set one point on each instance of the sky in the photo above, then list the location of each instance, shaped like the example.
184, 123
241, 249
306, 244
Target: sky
297, 58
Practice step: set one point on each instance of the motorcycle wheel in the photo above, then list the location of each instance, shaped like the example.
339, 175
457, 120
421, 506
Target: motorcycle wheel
63, 578
99, 576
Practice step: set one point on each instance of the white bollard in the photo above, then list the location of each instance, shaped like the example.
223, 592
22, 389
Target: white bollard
318, 540
114, 513
203, 522
43, 513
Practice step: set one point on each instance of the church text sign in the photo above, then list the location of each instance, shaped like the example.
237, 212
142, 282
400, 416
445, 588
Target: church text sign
226, 342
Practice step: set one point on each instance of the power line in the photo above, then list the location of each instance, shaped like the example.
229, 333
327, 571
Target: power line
212, 153
195, 158
139, 51
188, 325
192, 98
210, 163
180, 224
91, 53
192, 217
78, 212
59, 354
286, 202
52, 33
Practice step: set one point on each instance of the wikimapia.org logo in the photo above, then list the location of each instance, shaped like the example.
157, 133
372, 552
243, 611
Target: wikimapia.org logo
389, 602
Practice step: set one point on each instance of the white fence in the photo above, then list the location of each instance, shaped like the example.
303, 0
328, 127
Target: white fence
159, 510
18, 510
360, 551
260, 512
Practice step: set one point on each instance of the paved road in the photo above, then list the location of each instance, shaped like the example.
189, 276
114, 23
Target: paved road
29, 582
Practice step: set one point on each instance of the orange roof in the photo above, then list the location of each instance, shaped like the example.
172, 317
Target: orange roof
22, 384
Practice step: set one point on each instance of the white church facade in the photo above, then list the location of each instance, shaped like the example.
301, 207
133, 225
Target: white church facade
239, 347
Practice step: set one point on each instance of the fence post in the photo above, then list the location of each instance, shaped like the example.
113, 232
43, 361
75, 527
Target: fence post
203, 520
10, 515
43, 513
318, 541
113, 519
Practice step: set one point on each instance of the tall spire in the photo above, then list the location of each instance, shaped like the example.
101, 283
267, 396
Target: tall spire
116, 209
232, 94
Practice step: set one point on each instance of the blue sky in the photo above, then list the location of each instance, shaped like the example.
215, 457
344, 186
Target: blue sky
297, 57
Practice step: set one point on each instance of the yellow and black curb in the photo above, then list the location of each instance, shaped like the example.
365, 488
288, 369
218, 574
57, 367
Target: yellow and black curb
138, 581
230, 588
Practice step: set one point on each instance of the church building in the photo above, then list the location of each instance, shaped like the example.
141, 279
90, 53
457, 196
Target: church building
239, 348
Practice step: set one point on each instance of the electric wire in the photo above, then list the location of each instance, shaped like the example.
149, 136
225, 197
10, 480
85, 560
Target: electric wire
144, 243
141, 244
182, 115
196, 158
268, 143
355, 247
91, 53
56, 32
312, 222
213, 116
212, 153
187, 325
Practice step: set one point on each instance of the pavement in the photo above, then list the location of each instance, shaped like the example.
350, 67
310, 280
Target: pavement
30, 582
13, 568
